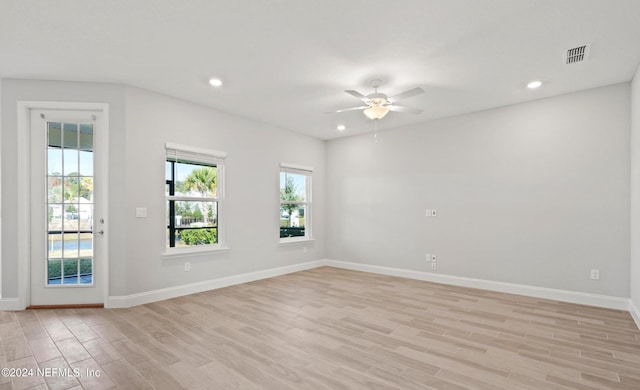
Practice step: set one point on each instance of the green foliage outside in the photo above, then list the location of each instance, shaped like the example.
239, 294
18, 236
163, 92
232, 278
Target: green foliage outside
185, 210
203, 180
70, 268
288, 194
198, 236
72, 187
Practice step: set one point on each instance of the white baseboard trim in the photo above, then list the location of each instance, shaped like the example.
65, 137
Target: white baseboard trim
178, 291
11, 304
510, 288
635, 313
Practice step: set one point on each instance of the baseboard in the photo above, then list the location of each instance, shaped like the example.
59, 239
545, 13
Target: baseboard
72, 306
511, 288
178, 291
635, 313
10, 304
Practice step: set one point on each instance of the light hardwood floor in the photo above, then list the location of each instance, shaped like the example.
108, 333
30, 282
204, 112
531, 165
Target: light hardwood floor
329, 328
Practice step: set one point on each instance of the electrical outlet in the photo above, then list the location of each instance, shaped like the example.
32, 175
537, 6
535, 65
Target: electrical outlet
434, 213
187, 266
433, 266
595, 274
434, 258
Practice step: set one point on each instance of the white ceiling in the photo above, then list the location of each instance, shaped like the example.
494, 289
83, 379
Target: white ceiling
287, 62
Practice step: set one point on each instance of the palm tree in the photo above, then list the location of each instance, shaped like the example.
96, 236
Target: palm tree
204, 181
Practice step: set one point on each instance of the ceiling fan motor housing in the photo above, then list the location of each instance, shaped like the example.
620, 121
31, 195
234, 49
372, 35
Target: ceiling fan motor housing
377, 98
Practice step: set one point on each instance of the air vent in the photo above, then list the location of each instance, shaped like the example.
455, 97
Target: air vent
577, 54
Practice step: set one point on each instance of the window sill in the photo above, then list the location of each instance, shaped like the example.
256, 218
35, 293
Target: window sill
185, 252
296, 241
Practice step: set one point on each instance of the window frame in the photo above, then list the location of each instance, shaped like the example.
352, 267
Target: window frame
197, 156
308, 202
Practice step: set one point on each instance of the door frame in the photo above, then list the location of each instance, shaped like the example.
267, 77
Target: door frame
24, 189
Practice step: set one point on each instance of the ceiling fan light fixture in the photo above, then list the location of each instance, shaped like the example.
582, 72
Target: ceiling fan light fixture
376, 111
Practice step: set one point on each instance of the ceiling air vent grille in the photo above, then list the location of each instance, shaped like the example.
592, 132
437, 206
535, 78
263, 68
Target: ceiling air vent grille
577, 54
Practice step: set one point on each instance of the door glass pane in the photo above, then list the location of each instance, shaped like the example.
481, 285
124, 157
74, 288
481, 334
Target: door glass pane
71, 189
85, 244
85, 189
54, 161
70, 162
70, 135
85, 216
71, 217
70, 271
54, 189
86, 137
70, 204
70, 245
54, 245
54, 271
54, 216
54, 134
86, 271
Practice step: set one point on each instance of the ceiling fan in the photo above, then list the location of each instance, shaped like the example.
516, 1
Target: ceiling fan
377, 104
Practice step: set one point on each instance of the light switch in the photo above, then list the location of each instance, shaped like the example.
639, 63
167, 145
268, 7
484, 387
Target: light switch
141, 212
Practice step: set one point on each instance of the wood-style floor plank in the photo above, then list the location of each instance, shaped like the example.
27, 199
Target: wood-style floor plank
328, 328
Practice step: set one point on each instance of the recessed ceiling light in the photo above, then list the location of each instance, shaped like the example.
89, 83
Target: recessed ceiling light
215, 82
341, 127
534, 84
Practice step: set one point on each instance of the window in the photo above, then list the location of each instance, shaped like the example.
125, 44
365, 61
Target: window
194, 191
295, 202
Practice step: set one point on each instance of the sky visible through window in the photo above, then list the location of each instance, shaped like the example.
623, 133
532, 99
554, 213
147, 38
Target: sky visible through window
298, 182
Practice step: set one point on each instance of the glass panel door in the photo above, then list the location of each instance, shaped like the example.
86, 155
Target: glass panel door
68, 193
70, 201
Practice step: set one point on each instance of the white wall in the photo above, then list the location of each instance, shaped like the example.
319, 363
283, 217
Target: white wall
534, 194
635, 193
140, 123
254, 152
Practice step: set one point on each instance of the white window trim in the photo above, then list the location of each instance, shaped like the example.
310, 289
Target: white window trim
194, 251
308, 231
208, 156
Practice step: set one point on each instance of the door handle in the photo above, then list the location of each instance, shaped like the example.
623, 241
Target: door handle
101, 232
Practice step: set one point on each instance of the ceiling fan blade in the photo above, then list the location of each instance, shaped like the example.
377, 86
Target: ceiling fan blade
406, 94
357, 95
411, 110
348, 109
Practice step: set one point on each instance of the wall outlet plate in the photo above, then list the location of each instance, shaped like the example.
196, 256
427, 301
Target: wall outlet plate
595, 274
434, 258
187, 266
433, 266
